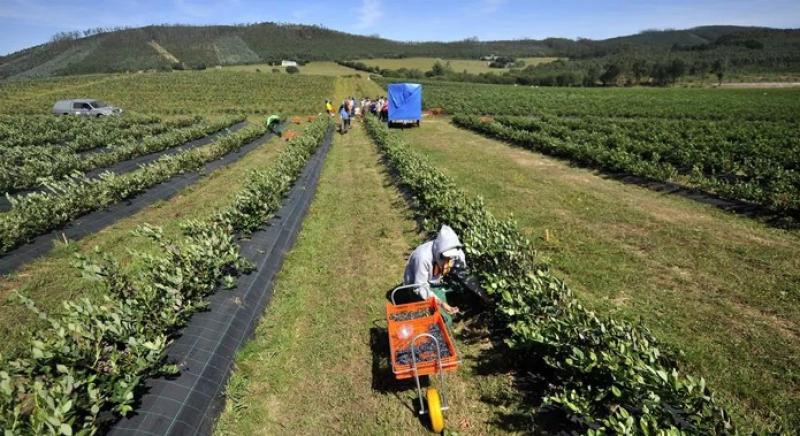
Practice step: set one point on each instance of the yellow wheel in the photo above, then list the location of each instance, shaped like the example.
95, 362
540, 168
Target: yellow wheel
435, 410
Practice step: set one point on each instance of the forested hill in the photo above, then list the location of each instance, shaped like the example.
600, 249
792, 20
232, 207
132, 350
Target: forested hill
178, 46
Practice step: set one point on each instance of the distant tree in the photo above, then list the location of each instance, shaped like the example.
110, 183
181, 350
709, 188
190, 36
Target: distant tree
660, 74
752, 44
639, 69
611, 74
718, 68
592, 76
567, 79
292, 70
676, 69
502, 62
414, 74
65, 36
440, 69
200, 66
699, 68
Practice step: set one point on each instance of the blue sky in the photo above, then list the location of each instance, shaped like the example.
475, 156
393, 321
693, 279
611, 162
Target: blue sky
27, 23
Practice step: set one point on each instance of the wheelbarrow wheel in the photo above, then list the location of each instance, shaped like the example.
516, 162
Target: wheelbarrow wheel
435, 410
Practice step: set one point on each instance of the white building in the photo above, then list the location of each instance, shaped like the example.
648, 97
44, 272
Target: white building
288, 63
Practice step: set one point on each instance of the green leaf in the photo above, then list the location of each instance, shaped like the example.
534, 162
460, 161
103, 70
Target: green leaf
65, 429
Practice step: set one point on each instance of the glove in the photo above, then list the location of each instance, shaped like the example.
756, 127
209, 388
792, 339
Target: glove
460, 260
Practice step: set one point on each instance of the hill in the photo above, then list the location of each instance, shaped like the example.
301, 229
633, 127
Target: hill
170, 46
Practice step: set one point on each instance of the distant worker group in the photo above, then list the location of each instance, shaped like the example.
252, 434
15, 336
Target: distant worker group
353, 108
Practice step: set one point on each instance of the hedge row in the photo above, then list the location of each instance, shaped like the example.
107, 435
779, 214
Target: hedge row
82, 370
39, 212
25, 167
603, 375
756, 172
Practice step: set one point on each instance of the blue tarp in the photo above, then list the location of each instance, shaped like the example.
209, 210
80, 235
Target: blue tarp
405, 102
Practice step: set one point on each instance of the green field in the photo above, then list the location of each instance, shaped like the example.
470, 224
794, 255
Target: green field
177, 93
718, 290
423, 64
319, 68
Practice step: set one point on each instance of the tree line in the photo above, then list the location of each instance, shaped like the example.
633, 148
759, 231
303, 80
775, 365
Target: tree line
627, 72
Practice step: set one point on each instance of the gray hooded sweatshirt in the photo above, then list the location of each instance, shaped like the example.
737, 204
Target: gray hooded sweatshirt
419, 269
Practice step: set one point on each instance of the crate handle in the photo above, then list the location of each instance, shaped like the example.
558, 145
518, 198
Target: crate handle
415, 285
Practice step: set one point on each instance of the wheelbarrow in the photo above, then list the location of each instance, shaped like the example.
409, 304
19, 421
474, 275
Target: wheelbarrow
420, 345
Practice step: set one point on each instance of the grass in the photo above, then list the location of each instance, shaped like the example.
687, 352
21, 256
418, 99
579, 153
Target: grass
319, 68
423, 64
52, 279
318, 361
720, 287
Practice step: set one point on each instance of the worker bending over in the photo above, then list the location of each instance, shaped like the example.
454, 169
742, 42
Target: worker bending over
429, 264
274, 124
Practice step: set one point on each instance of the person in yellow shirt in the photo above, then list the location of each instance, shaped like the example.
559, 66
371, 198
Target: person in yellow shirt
329, 108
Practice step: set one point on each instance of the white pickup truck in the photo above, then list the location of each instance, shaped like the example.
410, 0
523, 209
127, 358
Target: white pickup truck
85, 107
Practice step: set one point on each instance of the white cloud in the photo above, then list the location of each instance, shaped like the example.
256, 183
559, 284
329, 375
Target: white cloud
371, 11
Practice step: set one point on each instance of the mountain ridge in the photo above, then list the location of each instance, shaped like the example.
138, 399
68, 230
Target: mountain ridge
186, 46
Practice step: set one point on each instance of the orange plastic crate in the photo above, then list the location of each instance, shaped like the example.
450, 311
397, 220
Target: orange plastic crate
418, 325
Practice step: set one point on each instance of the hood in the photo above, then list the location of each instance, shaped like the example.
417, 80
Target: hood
445, 240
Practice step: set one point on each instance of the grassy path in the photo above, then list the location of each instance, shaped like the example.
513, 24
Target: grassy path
317, 364
51, 279
724, 289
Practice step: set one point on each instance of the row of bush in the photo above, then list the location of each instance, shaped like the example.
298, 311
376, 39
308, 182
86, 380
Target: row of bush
83, 369
601, 374
25, 167
725, 165
75, 195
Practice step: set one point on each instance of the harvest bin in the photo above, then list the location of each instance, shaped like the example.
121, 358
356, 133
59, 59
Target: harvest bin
405, 103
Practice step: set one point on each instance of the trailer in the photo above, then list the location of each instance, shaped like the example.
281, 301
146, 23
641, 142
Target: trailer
405, 104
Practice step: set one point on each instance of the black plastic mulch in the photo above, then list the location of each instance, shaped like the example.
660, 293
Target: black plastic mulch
132, 164
97, 220
191, 402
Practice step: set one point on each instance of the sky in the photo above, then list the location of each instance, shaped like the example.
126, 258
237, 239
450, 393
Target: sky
27, 23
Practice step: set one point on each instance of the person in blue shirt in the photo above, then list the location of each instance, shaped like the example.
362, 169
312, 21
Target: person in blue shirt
345, 116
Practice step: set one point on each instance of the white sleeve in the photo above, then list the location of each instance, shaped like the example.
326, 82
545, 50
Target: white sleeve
424, 292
